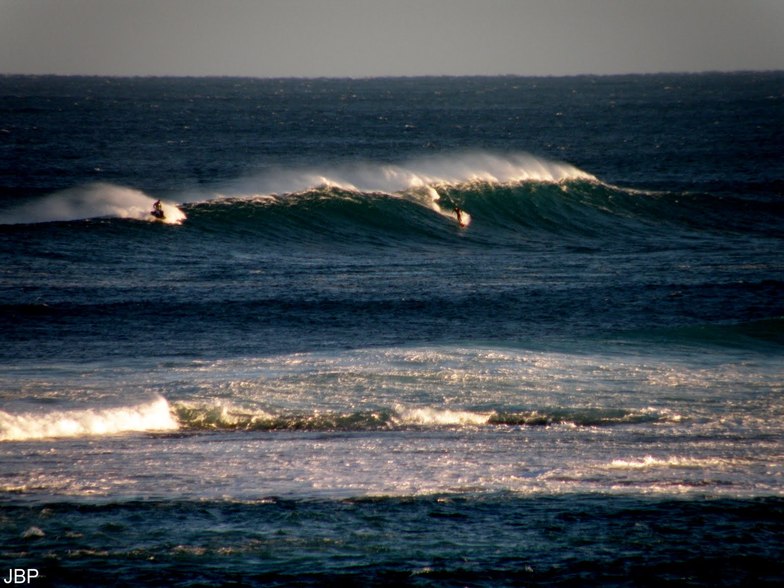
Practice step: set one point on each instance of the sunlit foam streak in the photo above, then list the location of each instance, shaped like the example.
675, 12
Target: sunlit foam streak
439, 417
150, 416
669, 462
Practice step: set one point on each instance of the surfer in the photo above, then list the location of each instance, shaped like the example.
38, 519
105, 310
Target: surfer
157, 210
459, 214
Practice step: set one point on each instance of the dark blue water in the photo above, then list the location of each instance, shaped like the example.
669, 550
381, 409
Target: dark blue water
310, 373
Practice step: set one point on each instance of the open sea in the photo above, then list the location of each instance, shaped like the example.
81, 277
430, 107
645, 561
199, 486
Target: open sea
310, 373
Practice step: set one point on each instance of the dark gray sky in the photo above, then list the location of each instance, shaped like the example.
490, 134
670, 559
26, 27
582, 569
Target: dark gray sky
360, 38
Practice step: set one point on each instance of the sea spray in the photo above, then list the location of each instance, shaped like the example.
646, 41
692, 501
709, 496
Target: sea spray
97, 200
454, 169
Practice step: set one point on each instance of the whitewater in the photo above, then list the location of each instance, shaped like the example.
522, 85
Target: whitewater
313, 371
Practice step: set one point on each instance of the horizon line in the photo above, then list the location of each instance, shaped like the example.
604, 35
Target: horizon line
391, 76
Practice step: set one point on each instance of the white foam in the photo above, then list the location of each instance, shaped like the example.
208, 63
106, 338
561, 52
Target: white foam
149, 416
97, 200
440, 417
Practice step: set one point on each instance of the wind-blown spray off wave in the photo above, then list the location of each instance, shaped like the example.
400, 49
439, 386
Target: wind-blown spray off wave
153, 415
436, 171
99, 200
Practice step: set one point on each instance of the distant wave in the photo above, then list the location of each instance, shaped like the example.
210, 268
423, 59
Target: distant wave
158, 415
502, 197
414, 180
153, 415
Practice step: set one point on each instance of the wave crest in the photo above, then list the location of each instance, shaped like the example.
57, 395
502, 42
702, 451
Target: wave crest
153, 415
435, 171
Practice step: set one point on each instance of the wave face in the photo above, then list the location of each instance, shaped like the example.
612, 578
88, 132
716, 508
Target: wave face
509, 198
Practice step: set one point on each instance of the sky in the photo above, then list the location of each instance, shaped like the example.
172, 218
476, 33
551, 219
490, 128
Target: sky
365, 38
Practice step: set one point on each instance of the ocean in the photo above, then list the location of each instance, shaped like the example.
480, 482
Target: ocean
447, 331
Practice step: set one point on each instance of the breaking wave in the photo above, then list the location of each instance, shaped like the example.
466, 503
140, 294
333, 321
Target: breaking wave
153, 415
158, 416
501, 199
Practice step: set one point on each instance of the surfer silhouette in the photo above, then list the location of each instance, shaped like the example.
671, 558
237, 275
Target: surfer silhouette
459, 214
157, 210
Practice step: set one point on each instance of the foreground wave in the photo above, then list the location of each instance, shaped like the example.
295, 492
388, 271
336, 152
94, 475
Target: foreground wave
159, 416
409, 388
